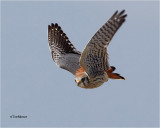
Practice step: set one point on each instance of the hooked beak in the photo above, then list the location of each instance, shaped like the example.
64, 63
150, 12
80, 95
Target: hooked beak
78, 82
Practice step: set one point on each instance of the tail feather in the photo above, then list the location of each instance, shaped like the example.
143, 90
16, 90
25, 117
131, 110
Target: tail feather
111, 69
112, 75
115, 76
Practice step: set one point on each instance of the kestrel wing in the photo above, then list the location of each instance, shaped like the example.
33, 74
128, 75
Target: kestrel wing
94, 58
64, 54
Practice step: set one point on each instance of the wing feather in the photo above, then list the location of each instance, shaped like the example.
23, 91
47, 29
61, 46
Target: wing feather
94, 58
64, 54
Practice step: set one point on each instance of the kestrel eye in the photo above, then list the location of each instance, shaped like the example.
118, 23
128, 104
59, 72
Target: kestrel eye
83, 79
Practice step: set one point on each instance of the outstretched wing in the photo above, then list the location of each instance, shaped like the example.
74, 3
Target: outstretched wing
64, 54
94, 58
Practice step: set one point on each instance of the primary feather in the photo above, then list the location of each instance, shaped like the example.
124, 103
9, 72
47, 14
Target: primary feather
64, 54
94, 58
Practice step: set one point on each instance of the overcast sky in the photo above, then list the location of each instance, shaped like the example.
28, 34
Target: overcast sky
33, 86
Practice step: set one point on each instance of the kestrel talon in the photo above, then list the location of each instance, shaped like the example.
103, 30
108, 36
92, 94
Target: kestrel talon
91, 67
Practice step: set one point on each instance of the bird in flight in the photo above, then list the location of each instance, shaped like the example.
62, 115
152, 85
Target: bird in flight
90, 67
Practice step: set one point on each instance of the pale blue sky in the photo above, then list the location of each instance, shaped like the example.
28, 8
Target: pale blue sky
34, 86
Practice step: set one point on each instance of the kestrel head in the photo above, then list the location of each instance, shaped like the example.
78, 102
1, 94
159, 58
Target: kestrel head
83, 80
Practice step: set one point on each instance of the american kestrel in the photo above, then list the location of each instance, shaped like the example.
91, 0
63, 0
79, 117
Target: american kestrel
91, 67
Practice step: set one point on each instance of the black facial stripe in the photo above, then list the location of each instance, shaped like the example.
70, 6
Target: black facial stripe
83, 79
87, 79
78, 83
83, 83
